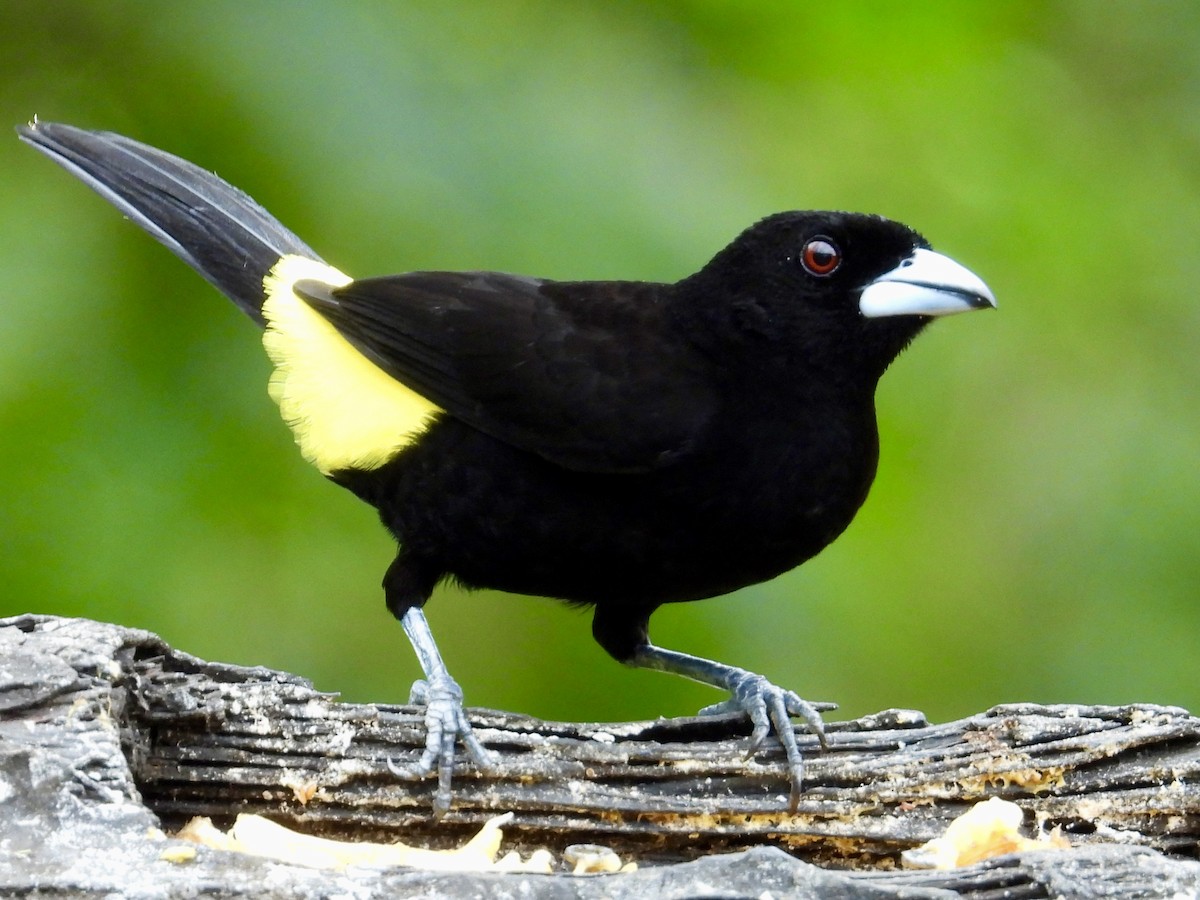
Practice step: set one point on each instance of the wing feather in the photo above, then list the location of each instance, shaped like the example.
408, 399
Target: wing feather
589, 375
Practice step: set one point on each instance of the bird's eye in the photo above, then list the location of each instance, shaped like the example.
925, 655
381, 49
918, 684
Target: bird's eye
820, 256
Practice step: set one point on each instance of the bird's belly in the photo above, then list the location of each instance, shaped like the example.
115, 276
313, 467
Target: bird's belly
495, 517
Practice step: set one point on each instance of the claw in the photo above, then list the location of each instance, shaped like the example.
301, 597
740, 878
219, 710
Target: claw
445, 719
771, 707
445, 724
768, 706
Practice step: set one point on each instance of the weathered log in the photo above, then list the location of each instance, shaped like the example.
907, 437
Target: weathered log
107, 733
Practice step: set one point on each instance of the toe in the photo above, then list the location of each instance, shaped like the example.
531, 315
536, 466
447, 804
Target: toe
445, 724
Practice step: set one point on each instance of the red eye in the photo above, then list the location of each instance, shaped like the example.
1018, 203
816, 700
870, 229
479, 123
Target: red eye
821, 256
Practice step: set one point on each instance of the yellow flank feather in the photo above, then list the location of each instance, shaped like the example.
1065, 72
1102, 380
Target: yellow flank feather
345, 412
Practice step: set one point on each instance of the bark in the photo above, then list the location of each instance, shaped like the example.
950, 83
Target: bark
106, 734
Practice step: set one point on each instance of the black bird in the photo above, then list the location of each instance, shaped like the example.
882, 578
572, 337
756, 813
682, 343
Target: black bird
617, 444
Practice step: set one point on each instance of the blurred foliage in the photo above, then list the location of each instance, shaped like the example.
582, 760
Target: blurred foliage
1033, 531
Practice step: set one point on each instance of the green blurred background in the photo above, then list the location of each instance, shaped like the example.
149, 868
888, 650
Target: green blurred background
1033, 531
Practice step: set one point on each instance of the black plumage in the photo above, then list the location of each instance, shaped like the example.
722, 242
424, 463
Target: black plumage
614, 444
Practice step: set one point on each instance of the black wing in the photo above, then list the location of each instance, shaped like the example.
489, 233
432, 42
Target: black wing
589, 375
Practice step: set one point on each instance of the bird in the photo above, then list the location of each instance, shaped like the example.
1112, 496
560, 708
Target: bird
618, 445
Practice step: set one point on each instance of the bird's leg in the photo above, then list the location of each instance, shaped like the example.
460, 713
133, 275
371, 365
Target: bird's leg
445, 719
767, 704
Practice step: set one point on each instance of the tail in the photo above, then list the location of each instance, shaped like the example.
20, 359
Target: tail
209, 224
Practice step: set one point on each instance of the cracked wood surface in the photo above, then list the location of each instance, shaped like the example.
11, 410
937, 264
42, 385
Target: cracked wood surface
160, 736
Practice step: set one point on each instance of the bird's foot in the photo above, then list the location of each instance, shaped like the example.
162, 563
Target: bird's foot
445, 723
772, 707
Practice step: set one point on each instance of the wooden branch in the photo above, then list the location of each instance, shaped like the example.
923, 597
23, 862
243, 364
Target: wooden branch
137, 734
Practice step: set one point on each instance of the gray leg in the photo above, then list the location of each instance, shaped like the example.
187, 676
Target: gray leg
767, 705
445, 718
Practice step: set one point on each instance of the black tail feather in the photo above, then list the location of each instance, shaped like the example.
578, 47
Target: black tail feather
212, 226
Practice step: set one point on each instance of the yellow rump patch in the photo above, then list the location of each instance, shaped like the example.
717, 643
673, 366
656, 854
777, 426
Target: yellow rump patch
345, 412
